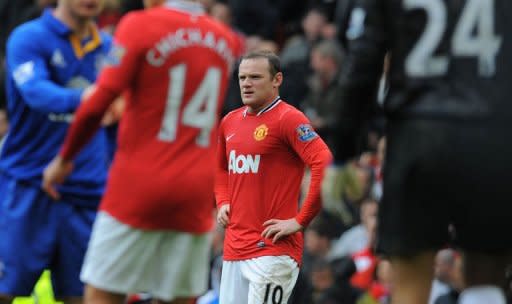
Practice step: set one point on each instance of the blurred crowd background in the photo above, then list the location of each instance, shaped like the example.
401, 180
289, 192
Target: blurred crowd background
339, 263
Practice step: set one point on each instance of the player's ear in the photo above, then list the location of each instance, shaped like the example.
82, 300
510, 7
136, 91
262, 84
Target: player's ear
278, 79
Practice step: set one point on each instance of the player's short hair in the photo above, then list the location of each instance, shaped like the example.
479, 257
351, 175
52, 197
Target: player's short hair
273, 60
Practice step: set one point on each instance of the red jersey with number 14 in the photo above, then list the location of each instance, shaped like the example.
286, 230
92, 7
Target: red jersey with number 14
175, 62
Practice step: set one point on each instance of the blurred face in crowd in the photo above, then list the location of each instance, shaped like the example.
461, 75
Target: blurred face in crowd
323, 65
444, 265
258, 87
81, 9
312, 24
322, 278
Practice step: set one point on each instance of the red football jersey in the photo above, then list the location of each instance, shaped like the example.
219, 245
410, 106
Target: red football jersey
261, 162
175, 62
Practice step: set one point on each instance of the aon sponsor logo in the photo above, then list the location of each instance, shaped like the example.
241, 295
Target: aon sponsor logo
243, 163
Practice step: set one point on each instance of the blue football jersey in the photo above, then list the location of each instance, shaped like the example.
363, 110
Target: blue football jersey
47, 69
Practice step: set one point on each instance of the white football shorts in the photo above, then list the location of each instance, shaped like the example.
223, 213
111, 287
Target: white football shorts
165, 264
262, 280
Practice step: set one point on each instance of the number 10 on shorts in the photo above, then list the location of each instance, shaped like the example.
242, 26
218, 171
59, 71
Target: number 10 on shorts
275, 295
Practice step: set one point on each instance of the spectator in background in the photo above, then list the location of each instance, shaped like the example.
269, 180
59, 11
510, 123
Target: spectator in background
263, 149
318, 238
297, 48
322, 103
322, 279
296, 55
379, 290
356, 238
456, 282
149, 218
445, 273
365, 259
50, 62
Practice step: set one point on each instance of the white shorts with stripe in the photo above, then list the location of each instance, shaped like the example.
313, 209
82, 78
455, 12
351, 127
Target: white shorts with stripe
262, 280
166, 264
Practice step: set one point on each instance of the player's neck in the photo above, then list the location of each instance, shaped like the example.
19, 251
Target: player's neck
81, 27
256, 110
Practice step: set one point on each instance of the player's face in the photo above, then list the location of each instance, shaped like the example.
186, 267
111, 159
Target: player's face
257, 86
83, 9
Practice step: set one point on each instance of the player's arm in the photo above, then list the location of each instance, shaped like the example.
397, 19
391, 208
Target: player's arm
28, 64
112, 81
366, 46
316, 155
222, 180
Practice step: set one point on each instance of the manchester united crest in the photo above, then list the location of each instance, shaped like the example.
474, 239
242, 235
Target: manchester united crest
260, 132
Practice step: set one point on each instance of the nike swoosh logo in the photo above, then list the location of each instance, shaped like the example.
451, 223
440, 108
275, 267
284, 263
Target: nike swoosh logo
229, 137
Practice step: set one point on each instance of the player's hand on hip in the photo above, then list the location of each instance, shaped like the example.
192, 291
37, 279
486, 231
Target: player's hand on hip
55, 174
223, 215
278, 229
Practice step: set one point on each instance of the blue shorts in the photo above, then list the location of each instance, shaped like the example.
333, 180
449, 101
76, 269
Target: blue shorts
37, 233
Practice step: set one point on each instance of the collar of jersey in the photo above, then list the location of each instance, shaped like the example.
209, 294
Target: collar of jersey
269, 107
93, 43
185, 6
62, 29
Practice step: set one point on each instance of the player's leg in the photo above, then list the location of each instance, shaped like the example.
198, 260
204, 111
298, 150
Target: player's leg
234, 287
27, 234
271, 278
93, 295
412, 278
168, 265
75, 226
414, 212
186, 258
5, 299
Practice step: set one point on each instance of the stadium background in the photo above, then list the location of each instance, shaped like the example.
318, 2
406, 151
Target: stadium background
309, 37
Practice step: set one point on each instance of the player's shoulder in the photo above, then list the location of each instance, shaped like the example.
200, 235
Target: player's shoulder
136, 16
287, 111
31, 31
235, 114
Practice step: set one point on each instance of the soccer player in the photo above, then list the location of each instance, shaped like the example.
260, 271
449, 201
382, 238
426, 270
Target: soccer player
262, 152
50, 61
152, 232
448, 160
